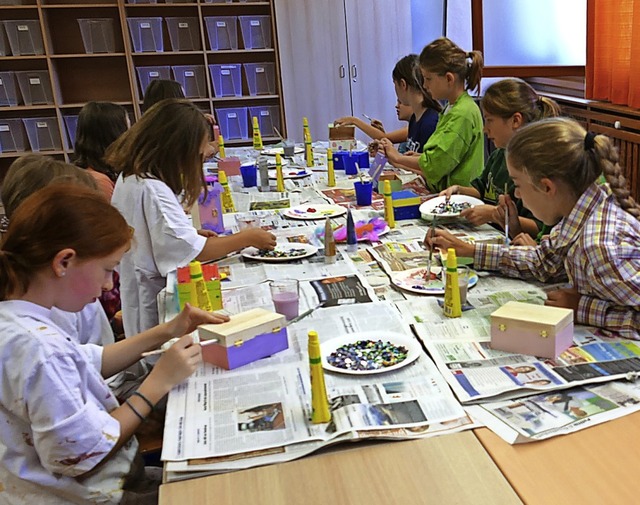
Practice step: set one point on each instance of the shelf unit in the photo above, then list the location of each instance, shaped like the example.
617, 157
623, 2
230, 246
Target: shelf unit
77, 77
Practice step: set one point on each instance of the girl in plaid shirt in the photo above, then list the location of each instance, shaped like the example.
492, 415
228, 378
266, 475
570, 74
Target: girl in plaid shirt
595, 243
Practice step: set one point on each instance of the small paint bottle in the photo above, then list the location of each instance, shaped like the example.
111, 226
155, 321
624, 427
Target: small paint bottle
329, 243
320, 412
452, 306
352, 239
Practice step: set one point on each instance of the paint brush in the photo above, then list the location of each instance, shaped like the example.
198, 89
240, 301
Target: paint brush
507, 241
367, 117
278, 133
161, 351
427, 274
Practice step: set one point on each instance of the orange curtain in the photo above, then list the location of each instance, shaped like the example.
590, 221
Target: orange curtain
613, 51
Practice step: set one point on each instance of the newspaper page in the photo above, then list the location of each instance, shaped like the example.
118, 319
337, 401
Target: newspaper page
267, 406
555, 413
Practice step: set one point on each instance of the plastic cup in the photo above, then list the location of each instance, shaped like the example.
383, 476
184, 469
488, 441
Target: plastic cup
285, 297
350, 167
464, 274
249, 175
363, 192
288, 147
248, 221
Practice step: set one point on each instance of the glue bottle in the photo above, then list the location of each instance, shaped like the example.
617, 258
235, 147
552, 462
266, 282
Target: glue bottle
352, 239
452, 306
320, 412
331, 174
227, 199
257, 136
221, 152
305, 128
329, 243
199, 295
308, 150
388, 204
279, 176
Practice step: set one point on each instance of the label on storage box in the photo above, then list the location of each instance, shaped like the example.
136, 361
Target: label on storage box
189, 73
225, 72
255, 22
41, 124
259, 70
23, 28
0, 82
264, 112
232, 115
145, 25
183, 25
4, 127
221, 24
154, 74
34, 81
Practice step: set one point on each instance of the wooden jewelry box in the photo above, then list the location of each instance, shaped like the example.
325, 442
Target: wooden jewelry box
245, 338
537, 330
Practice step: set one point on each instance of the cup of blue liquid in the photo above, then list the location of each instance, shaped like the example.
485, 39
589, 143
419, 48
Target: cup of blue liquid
363, 192
249, 173
285, 296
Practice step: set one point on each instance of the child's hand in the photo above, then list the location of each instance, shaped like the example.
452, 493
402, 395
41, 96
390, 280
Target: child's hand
207, 233
377, 124
345, 121
568, 298
259, 238
178, 362
190, 318
505, 201
373, 148
443, 240
210, 119
390, 151
451, 190
524, 239
480, 214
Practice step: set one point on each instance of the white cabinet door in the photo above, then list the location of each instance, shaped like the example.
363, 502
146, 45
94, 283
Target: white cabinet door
378, 35
314, 64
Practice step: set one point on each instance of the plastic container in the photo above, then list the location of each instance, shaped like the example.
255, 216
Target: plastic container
71, 123
97, 35
12, 136
9, 96
226, 79
142, 1
268, 118
179, 1
233, 123
192, 79
25, 37
5, 48
148, 74
146, 34
35, 87
10, 2
218, 1
256, 31
184, 34
222, 32
43, 133
260, 78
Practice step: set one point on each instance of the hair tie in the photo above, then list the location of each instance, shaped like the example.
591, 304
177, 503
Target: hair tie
589, 143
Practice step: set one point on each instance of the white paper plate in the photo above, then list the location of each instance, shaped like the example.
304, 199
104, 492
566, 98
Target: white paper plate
398, 339
271, 163
275, 150
413, 280
428, 209
314, 211
306, 250
290, 173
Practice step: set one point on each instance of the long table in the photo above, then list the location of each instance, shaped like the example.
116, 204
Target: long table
598, 465
441, 470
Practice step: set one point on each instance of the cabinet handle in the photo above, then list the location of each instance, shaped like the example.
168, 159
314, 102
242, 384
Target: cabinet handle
354, 71
342, 72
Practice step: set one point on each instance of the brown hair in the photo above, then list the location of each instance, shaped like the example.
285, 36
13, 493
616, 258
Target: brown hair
557, 148
442, 56
165, 145
52, 219
508, 96
32, 172
407, 69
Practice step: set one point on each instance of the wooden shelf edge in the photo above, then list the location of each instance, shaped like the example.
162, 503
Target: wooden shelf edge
26, 57
22, 153
86, 55
6, 7
243, 98
22, 108
241, 51
79, 6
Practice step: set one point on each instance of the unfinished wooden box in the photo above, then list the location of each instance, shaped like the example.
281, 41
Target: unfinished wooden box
245, 338
537, 330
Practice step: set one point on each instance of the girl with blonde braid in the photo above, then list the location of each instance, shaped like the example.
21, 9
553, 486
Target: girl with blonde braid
595, 243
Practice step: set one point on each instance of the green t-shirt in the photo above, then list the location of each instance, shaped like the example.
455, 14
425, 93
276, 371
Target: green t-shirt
454, 154
493, 180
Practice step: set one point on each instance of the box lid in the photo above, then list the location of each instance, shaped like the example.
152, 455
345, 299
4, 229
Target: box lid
529, 313
405, 198
242, 327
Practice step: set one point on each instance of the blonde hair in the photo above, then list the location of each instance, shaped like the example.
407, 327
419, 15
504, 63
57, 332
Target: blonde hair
32, 172
508, 96
165, 145
442, 56
560, 149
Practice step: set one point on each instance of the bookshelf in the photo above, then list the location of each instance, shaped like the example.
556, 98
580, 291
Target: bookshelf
55, 55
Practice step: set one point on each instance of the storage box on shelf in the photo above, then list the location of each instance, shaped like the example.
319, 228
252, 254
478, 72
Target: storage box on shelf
256, 31
9, 95
233, 123
184, 33
13, 138
148, 74
260, 78
25, 37
146, 34
43, 133
192, 79
35, 87
5, 48
268, 119
222, 32
97, 35
71, 123
226, 79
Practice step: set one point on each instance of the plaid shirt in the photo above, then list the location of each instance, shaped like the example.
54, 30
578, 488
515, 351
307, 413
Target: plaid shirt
597, 248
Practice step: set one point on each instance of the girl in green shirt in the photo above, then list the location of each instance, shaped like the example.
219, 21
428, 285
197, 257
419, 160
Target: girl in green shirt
506, 106
454, 154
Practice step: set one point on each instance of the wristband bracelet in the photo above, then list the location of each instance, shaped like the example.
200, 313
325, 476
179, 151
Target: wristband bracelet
144, 398
135, 411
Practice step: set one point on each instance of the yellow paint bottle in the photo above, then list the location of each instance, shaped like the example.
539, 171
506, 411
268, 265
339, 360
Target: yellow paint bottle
257, 136
308, 150
279, 176
320, 412
227, 200
452, 306
388, 204
199, 295
221, 152
331, 174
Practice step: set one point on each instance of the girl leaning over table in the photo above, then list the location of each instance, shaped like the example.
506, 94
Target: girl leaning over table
595, 243
160, 163
454, 153
63, 436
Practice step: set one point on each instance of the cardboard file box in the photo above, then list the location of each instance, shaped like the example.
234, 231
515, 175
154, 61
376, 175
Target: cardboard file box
406, 205
245, 338
537, 330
